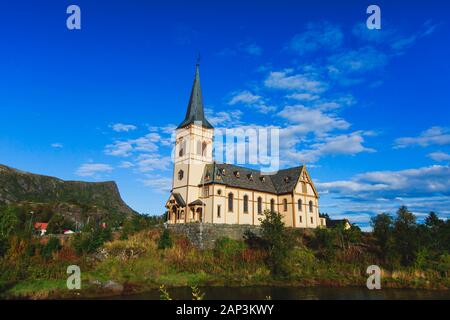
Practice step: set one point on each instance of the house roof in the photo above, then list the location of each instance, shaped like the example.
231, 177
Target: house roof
333, 223
195, 113
179, 199
40, 225
282, 182
197, 202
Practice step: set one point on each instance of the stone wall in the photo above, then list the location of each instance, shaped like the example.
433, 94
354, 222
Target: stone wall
204, 235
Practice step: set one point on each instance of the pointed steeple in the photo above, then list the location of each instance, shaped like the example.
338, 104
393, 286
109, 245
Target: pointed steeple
195, 112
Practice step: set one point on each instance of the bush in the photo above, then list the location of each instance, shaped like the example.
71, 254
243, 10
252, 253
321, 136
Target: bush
53, 245
165, 240
278, 240
89, 241
228, 248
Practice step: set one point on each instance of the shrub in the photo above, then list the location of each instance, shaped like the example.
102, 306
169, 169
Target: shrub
165, 240
52, 245
228, 248
278, 240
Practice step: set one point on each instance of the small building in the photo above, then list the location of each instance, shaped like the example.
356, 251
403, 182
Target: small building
334, 223
40, 228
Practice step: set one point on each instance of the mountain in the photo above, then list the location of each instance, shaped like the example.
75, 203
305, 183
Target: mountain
75, 200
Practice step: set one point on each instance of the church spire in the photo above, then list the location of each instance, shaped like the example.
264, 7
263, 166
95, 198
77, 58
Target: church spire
195, 112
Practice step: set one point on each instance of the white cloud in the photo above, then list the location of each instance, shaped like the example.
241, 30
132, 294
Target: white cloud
251, 100
432, 136
439, 156
312, 120
126, 164
57, 145
153, 162
344, 144
286, 80
425, 181
224, 118
357, 61
158, 183
245, 97
119, 149
303, 96
93, 169
147, 143
120, 127
317, 36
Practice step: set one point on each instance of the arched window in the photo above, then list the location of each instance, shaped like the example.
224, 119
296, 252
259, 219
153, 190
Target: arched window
230, 202
219, 207
204, 146
299, 204
246, 204
259, 205
182, 148
180, 175
285, 204
310, 206
272, 205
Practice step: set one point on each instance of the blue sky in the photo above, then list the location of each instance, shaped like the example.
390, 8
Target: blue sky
367, 111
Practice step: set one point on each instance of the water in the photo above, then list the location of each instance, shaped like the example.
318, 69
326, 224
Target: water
296, 293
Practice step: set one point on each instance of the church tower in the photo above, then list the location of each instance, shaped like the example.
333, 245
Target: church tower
193, 151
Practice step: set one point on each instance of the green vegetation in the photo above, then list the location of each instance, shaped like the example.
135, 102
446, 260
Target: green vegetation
143, 255
165, 240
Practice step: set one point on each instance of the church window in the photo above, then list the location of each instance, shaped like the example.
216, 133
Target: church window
246, 204
230, 202
312, 220
182, 148
310, 206
285, 204
259, 205
301, 220
219, 192
299, 204
206, 191
204, 146
180, 175
219, 211
272, 205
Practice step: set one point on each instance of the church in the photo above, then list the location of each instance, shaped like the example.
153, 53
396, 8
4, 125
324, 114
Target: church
218, 193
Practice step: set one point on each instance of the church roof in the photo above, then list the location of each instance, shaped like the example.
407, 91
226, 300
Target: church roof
195, 113
282, 182
179, 199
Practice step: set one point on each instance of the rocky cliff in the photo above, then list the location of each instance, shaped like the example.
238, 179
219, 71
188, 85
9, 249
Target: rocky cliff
73, 199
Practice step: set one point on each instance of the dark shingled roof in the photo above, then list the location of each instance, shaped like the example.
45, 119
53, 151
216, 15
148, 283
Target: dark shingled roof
195, 112
197, 202
284, 181
179, 199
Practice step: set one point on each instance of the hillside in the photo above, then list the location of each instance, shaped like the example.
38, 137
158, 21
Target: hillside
75, 200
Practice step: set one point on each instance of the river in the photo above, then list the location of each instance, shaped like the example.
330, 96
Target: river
296, 293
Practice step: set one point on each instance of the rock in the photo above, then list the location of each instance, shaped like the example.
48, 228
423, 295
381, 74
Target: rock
113, 286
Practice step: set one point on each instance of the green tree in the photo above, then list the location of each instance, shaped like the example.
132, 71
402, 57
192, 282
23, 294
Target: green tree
9, 222
383, 229
165, 240
273, 232
405, 234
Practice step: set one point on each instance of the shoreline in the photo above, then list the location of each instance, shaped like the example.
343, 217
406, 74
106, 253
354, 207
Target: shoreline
93, 292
